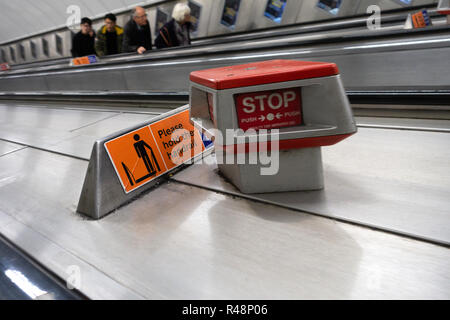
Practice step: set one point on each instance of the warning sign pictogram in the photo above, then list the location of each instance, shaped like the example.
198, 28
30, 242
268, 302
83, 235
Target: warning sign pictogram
146, 153
136, 158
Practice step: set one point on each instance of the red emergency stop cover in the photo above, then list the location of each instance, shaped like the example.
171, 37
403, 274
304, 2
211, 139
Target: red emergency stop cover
265, 72
4, 67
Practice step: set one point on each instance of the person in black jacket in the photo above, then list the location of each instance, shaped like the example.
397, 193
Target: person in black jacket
176, 32
83, 43
137, 34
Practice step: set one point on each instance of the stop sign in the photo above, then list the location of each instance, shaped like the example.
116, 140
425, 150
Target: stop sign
269, 109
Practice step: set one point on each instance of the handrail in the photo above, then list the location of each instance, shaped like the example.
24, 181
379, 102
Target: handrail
191, 52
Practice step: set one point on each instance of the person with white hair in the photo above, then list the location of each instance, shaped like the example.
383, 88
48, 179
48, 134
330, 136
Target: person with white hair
176, 32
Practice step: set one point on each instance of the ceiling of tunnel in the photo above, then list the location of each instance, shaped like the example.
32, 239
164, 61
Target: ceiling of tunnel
20, 18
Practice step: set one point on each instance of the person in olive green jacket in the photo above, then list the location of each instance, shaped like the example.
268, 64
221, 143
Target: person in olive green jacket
109, 37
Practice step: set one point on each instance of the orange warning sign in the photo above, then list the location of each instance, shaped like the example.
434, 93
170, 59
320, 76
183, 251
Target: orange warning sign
177, 139
80, 61
421, 19
146, 153
84, 60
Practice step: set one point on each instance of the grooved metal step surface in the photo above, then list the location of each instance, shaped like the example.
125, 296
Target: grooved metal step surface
197, 237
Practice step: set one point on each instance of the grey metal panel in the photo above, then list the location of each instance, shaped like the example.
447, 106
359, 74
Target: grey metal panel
3, 57
17, 84
45, 47
260, 21
67, 43
70, 132
61, 37
167, 8
383, 4
411, 124
391, 4
51, 46
44, 127
26, 50
152, 15
180, 242
80, 144
98, 81
34, 50
393, 69
122, 19
114, 5
161, 77
6, 53
310, 12
13, 54
204, 21
358, 69
242, 22
41, 174
8, 147
92, 8
389, 179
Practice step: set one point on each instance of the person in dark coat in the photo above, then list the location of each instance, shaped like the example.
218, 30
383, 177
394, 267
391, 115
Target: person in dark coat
137, 34
83, 43
176, 32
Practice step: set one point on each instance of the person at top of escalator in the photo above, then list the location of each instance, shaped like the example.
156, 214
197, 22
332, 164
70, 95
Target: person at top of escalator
84, 41
109, 37
176, 32
137, 34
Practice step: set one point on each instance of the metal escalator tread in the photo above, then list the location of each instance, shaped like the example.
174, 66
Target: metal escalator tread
22, 279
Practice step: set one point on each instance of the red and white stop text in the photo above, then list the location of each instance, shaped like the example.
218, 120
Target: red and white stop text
269, 109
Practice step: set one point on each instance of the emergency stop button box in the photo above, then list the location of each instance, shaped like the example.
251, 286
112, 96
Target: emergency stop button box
304, 102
